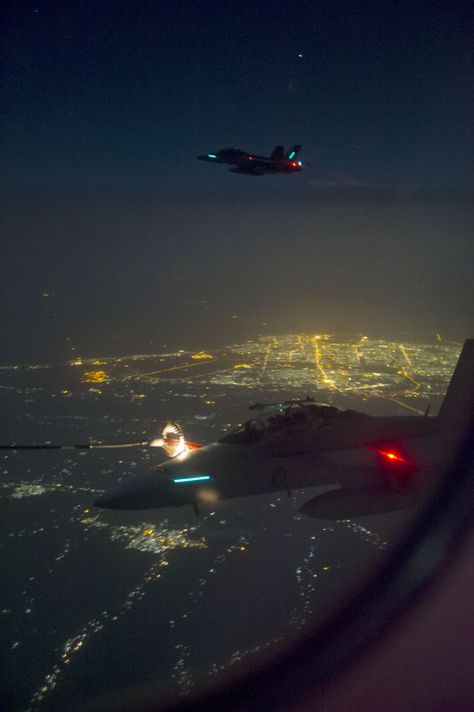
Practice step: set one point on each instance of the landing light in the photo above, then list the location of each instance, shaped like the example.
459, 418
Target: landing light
197, 478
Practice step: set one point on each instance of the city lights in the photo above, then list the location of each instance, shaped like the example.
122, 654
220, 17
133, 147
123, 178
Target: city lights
203, 389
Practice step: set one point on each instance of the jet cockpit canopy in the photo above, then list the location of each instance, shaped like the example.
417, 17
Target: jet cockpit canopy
296, 417
230, 152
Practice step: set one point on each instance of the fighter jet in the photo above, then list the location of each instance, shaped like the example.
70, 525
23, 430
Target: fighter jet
373, 464
252, 165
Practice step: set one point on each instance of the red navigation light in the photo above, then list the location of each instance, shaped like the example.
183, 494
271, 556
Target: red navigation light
293, 163
394, 467
250, 158
392, 456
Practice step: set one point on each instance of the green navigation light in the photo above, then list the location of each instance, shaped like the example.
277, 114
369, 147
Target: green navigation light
197, 478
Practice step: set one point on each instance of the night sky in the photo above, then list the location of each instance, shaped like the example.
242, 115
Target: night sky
105, 107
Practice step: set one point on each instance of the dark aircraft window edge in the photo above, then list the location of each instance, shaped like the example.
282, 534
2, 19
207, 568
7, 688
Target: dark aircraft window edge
327, 650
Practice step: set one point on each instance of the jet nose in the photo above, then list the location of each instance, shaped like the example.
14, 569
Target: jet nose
108, 503
121, 501
145, 493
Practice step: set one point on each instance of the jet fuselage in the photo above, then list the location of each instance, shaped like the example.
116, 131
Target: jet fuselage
252, 164
375, 461
332, 457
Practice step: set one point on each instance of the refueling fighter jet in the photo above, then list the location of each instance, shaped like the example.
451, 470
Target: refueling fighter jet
374, 464
252, 165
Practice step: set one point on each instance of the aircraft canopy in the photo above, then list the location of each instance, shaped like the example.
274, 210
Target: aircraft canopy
295, 418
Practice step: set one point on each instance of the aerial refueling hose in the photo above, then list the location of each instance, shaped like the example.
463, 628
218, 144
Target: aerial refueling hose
172, 441
85, 446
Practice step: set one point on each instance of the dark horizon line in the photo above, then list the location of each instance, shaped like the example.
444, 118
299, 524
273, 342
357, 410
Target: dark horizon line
369, 192
372, 334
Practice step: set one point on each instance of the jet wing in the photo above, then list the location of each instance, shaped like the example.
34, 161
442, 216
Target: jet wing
256, 166
249, 169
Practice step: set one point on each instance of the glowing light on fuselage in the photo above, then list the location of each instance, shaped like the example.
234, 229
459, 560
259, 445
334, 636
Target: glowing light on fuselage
392, 456
192, 446
291, 155
196, 478
211, 155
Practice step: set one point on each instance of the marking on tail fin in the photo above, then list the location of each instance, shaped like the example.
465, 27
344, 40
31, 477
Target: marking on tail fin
293, 152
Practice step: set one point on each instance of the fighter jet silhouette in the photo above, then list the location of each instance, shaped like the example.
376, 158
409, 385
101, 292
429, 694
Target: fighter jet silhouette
376, 464
252, 165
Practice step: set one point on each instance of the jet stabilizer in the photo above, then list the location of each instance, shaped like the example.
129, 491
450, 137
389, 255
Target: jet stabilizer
358, 502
